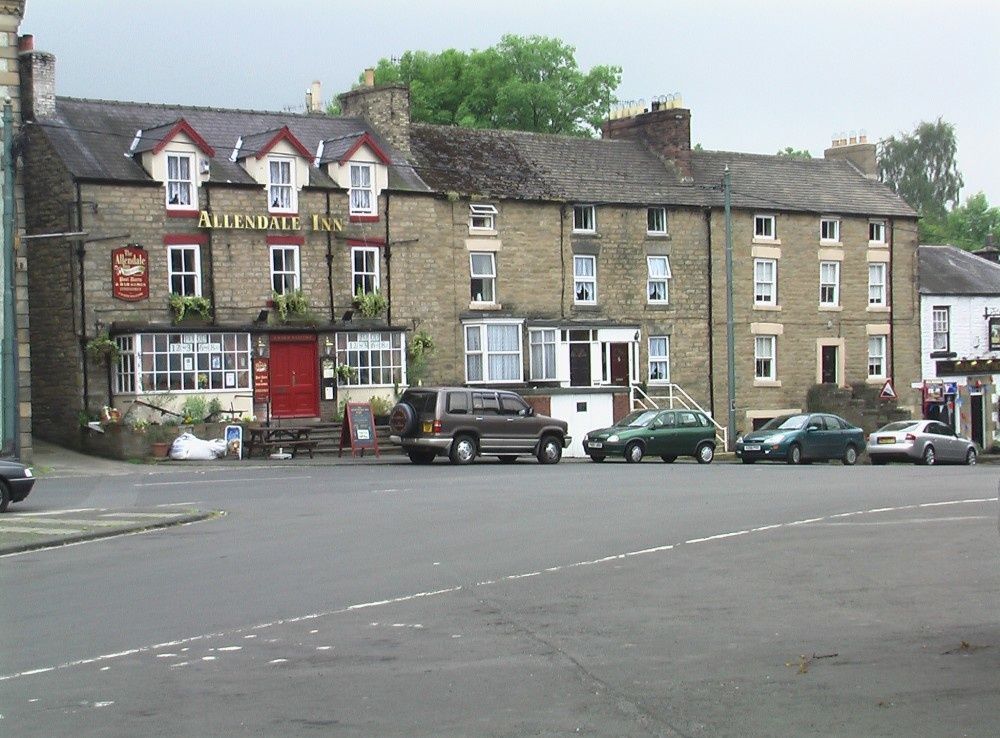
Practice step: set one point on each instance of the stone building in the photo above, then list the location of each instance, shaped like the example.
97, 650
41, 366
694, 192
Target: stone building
589, 273
15, 354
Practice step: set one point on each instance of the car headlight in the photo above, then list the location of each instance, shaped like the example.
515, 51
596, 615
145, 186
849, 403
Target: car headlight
613, 439
739, 439
27, 473
778, 438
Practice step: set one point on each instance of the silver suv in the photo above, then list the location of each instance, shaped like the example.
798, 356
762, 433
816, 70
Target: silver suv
462, 423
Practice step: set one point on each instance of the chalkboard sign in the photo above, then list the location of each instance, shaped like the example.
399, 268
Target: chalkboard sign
358, 430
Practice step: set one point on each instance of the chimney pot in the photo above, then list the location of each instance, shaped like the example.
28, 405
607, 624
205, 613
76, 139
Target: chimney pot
26, 42
370, 77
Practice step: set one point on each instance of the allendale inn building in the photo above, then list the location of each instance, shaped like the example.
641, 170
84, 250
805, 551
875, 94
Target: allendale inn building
588, 274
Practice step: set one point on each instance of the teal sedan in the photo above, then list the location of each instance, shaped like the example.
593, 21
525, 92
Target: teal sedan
802, 437
664, 433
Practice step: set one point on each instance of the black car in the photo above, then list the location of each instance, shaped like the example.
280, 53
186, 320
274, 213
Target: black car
16, 482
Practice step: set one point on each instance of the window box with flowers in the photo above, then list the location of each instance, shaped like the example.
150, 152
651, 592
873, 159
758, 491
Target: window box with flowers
190, 307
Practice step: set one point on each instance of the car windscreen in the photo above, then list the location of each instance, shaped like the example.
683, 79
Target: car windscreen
786, 422
637, 418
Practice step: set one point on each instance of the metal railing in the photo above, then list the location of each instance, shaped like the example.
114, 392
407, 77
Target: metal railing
675, 397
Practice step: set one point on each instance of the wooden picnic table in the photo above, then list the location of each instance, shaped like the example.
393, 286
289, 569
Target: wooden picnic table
268, 439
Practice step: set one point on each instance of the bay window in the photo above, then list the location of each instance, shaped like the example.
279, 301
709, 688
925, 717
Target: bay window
183, 362
493, 352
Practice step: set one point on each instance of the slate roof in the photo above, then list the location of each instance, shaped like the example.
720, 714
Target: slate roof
92, 137
762, 182
947, 270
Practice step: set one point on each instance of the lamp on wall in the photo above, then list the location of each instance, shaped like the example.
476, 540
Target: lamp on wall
328, 346
261, 346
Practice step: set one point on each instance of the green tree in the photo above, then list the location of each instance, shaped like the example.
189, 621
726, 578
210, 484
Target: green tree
795, 153
522, 83
921, 167
966, 226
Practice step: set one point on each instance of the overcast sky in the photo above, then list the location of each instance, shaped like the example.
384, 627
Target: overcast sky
757, 76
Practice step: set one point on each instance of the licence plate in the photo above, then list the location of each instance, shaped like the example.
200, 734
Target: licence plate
595, 444
751, 447
886, 439
428, 426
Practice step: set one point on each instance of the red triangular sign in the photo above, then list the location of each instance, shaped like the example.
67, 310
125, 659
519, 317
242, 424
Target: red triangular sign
888, 393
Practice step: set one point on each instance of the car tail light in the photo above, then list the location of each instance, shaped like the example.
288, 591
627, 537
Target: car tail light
910, 437
436, 428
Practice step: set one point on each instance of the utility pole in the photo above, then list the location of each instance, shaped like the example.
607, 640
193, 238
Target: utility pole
730, 327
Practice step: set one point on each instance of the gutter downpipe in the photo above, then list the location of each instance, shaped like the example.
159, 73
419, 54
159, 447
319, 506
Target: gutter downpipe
80, 253
711, 303
730, 325
11, 437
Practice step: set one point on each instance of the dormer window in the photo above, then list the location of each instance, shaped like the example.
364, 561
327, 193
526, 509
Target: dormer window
281, 184
482, 217
181, 186
362, 190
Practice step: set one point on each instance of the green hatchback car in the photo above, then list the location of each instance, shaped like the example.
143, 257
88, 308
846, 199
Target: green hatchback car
664, 433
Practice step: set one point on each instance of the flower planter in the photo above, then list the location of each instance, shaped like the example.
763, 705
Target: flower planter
160, 449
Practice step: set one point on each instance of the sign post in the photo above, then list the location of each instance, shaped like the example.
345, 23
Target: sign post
358, 429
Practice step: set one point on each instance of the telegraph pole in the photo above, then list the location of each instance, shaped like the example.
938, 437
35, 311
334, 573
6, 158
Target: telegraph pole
730, 327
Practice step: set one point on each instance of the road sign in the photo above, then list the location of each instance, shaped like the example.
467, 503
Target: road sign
888, 392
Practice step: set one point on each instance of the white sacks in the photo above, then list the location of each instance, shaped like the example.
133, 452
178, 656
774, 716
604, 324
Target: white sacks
189, 446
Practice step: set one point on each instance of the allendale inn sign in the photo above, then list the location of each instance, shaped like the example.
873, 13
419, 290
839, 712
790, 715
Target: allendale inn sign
252, 222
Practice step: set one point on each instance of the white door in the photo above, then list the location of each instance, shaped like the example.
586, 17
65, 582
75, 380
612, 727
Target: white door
583, 413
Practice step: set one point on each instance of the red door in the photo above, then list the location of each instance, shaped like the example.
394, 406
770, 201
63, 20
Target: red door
619, 364
294, 390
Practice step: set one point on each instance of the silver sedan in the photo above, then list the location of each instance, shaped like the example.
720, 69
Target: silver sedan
925, 442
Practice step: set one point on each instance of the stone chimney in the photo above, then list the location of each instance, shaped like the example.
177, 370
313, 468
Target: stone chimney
989, 251
856, 149
665, 130
386, 108
38, 82
314, 98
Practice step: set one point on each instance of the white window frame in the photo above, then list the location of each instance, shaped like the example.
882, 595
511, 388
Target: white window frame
765, 227
658, 279
377, 358
184, 362
656, 221
487, 279
361, 194
280, 277
369, 275
187, 271
771, 282
178, 183
482, 217
658, 348
829, 283
482, 354
582, 281
876, 284
876, 231
281, 188
584, 219
765, 349
542, 343
876, 357
941, 328
829, 230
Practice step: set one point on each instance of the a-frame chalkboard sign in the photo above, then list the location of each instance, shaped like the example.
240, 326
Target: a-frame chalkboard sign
358, 429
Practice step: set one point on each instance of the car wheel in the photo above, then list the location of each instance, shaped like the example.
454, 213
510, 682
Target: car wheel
928, 457
634, 452
705, 453
4, 497
463, 450
795, 454
549, 450
970, 457
402, 419
597, 457
421, 456
507, 458
668, 458
850, 456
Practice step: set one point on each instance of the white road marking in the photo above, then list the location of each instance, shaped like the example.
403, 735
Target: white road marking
911, 521
60, 512
449, 590
39, 531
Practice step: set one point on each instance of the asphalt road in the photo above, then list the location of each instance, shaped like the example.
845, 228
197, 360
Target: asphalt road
585, 599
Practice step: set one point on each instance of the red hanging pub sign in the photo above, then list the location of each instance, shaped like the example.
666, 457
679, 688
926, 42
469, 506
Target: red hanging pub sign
130, 273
